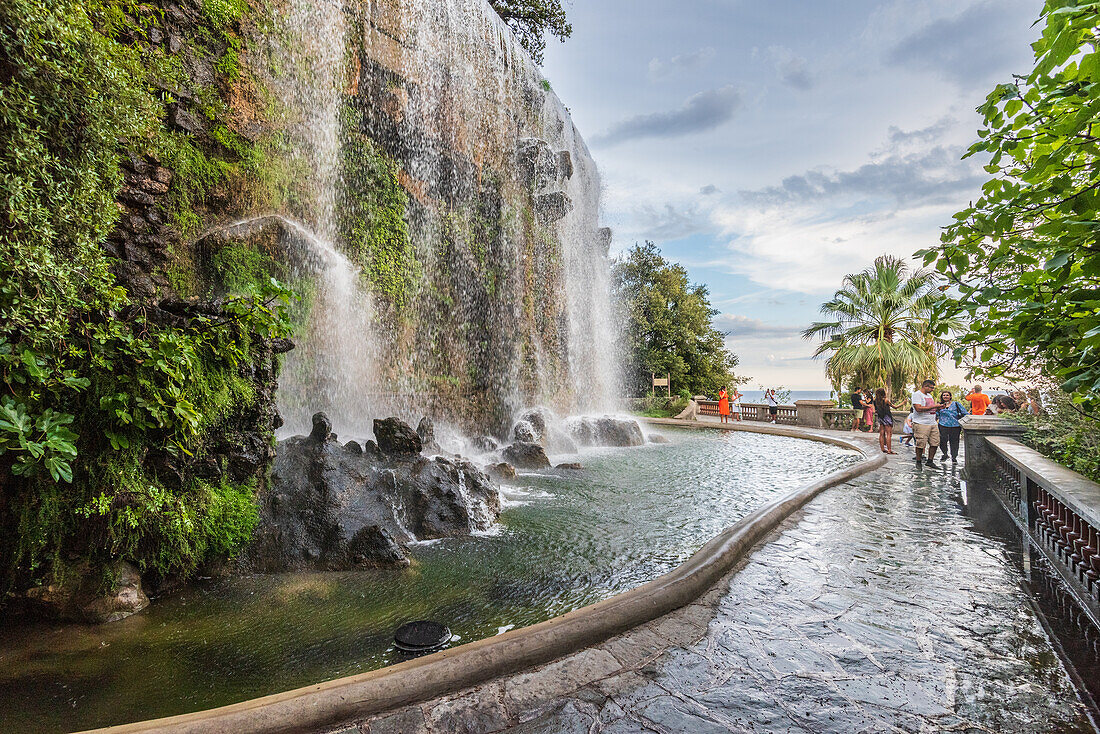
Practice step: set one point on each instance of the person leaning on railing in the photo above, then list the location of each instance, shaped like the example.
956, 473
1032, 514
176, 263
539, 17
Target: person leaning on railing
979, 401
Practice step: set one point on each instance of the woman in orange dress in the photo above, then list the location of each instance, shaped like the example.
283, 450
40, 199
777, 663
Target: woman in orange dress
724, 405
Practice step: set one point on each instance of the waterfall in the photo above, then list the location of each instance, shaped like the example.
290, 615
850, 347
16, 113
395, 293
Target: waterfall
512, 305
334, 367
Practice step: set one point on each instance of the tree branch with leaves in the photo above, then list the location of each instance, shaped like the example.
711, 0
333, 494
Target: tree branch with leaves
1025, 257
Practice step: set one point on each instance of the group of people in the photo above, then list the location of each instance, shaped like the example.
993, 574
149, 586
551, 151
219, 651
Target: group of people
932, 423
729, 407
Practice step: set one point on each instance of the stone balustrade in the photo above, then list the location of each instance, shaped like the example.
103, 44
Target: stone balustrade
1056, 509
808, 413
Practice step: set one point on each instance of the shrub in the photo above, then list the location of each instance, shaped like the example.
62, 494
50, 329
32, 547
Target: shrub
93, 380
1065, 434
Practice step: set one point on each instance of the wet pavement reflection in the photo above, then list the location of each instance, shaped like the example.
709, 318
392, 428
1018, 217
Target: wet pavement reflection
880, 608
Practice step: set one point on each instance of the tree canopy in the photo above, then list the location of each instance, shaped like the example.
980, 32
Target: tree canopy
667, 325
1025, 256
531, 20
880, 331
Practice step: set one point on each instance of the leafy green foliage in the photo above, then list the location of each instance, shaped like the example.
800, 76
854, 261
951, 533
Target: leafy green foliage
530, 20
1024, 257
1063, 433
42, 442
94, 380
222, 13
882, 331
668, 326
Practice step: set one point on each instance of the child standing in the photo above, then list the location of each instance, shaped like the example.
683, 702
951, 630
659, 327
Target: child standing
907, 431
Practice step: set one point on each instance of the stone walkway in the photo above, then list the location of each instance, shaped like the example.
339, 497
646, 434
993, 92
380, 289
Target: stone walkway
877, 608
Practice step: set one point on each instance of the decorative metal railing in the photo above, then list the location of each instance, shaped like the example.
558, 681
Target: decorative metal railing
1059, 509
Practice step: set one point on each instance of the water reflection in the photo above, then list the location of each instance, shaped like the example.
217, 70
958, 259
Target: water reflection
1074, 635
567, 539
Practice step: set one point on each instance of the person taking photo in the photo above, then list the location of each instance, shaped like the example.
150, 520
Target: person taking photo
926, 431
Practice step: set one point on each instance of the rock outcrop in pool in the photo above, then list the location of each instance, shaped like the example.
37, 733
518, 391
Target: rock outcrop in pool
335, 506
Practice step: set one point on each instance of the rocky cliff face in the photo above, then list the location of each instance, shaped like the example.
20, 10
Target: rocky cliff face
499, 198
456, 187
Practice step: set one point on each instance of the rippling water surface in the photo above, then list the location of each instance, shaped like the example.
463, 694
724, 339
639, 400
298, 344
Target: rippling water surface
565, 539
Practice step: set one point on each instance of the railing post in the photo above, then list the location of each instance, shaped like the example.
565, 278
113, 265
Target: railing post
811, 413
978, 465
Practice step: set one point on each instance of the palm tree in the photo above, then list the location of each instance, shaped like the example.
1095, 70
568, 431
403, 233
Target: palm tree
883, 327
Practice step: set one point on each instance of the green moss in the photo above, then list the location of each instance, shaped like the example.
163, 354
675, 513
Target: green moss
195, 174
181, 277
229, 65
223, 13
216, 393
244, 270
165, 531
372, 217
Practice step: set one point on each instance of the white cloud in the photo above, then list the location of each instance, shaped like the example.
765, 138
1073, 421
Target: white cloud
792, 69
800, 250
661, 69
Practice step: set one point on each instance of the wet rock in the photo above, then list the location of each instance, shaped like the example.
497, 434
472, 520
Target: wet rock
322, 428
537, 164
565, 164
538, 418
124, 597
373, 546
552, 206
183, 119
483, 444
526, 455
248, 456
280, 345
603, 238
437, 507
658, 438
503, 470
524, 431
397, 437
571, 466
542, 426
353, 447
605, 430
426, 430
329, 507
84, 600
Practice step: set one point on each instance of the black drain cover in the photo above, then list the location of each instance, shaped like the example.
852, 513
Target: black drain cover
421, 636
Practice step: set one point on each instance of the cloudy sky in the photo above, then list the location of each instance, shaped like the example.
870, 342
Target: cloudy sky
772, 147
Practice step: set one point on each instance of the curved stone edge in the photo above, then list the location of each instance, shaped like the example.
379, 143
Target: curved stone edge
415, 681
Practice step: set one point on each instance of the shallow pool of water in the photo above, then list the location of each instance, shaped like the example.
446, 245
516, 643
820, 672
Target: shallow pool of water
565, 539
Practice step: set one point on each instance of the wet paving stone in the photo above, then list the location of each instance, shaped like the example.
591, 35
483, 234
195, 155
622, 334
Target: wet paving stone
878, 608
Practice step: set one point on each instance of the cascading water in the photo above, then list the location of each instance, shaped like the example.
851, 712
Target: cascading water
511, 307
333, 368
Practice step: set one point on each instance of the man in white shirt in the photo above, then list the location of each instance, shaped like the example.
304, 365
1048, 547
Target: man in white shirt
926, 430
